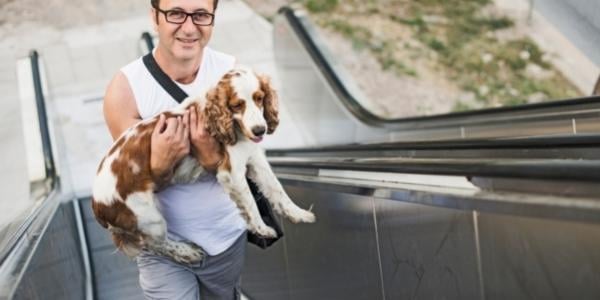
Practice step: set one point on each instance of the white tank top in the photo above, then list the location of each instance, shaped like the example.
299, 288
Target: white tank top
200, 212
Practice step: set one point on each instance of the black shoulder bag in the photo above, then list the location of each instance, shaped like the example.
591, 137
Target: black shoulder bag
263, 206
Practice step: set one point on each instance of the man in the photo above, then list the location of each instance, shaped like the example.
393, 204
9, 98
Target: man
200, 212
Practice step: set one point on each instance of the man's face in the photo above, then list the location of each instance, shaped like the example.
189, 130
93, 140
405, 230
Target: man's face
183, 41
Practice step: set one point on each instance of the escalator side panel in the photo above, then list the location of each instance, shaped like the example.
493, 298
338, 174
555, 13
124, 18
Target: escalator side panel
531, 258
336, 257
55, 270
426, 252
264, 275
115, 275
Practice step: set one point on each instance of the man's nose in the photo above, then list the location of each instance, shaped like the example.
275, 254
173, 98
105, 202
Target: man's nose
258, 130
188, 24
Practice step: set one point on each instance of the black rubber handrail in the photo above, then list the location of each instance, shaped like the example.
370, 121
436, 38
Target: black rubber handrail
148, 40
532, 143
42, 118
568, 108
542, 169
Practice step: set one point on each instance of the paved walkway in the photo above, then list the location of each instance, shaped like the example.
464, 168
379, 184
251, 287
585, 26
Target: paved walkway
576, 19
562, 33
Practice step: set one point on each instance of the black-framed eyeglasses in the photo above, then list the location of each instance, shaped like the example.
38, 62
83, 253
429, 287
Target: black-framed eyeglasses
176, 16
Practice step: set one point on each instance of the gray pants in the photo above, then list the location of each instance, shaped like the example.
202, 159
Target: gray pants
216, 277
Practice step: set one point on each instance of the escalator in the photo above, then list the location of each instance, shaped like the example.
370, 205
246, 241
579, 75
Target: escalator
494, 204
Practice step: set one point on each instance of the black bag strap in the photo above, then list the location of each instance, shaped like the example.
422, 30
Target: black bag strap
163, 79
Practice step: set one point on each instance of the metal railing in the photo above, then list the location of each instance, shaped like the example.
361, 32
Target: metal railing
148, 40
40, 102
28, 228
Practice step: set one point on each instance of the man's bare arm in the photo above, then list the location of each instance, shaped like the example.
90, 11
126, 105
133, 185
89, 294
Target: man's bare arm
170, 140
120, 110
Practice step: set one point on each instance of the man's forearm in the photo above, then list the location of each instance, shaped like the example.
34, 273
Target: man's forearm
211, 161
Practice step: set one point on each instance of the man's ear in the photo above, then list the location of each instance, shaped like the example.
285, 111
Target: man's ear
154, 18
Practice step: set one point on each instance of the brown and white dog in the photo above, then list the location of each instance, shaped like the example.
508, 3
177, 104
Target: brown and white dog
238, 112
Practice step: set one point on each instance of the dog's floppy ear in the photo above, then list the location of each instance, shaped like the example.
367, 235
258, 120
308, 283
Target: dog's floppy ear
219, 119
271, 106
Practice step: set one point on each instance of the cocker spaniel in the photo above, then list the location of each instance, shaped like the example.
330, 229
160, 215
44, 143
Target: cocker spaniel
238, 112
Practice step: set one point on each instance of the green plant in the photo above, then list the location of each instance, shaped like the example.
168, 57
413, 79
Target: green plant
463, 44
362, 39
319, 6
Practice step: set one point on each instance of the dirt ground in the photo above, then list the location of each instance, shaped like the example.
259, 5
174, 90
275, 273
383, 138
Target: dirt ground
267, 8
428, 94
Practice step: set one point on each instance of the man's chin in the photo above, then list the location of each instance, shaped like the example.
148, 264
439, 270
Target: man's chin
186, 53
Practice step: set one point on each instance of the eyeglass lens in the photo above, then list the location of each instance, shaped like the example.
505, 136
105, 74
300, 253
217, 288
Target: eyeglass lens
198, 18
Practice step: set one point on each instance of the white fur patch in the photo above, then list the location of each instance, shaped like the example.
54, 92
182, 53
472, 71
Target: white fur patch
149, 219
104, 189
245, 86
135, 168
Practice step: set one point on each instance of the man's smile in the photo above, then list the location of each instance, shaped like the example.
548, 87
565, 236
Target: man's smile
187, 41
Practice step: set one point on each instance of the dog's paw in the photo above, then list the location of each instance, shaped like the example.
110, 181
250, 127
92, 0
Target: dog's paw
265, 231
304, 216
197, 254
299, 215
189, 254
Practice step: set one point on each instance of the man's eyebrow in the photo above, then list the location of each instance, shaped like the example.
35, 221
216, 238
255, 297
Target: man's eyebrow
181, 9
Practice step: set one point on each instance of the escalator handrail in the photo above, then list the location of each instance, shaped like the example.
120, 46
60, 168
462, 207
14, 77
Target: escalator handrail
52, 178
537, 169
543, 142
43, 118
567, 109
148, 41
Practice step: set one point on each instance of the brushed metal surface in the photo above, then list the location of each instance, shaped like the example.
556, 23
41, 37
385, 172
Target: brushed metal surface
530, 258
336, 257
426, 252
264, 275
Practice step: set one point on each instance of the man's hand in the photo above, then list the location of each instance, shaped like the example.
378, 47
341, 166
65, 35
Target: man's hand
206, 147
170, 143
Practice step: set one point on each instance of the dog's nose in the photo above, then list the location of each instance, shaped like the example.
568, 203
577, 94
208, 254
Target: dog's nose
258, 130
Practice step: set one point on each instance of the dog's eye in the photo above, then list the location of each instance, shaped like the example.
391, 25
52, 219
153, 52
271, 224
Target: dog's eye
237, 105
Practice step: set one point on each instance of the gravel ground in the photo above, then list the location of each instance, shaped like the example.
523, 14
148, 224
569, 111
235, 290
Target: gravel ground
427, 94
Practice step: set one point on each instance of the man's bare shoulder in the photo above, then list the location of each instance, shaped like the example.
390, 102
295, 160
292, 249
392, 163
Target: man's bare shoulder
119, 86
120, 109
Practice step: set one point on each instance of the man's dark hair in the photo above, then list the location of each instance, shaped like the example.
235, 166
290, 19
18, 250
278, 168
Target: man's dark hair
155, 3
